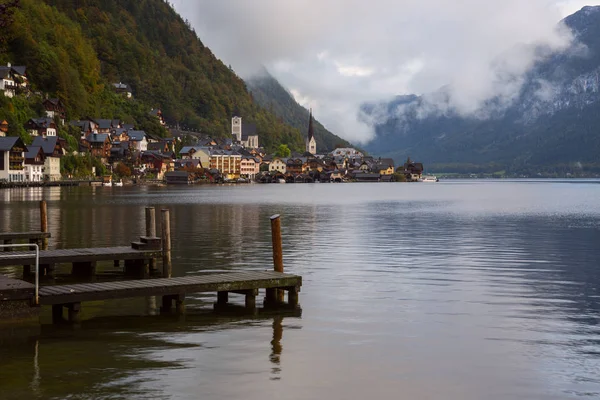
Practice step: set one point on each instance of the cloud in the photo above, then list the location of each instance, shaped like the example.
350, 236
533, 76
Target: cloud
335, 55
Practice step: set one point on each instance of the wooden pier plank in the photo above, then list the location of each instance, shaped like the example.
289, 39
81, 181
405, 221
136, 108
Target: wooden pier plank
167, 286
24, 235
78, 255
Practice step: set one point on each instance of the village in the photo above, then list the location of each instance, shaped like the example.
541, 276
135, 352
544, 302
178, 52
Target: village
126, 154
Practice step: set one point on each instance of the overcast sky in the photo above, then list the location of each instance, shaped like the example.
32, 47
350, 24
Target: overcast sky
334, 55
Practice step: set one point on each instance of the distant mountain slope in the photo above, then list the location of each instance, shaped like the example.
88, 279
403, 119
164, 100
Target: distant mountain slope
554, 122
75, 49
269, 93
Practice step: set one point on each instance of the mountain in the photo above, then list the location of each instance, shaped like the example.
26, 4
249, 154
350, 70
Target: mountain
76, 50
553, 124
269, 93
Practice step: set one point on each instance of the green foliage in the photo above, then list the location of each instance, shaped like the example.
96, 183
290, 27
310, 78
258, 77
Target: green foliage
17, 111
399, 177
267, 92
76, 50
80, 166
283, 151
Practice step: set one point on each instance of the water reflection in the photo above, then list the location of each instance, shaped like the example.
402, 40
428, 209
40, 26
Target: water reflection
456, 291
108, 357
276, 347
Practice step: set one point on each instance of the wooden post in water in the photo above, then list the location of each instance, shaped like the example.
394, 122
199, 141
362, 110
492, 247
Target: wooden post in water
275, 294
166, 244
151, 231
44, 223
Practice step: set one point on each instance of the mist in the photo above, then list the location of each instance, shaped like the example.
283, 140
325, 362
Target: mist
336, 55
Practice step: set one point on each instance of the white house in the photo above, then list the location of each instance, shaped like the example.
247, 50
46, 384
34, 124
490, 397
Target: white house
34, 164
7, 83
138, 140
41, 127
12, 159
278, 165
53, 151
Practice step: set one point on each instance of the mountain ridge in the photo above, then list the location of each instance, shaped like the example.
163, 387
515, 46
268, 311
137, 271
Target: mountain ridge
551, 123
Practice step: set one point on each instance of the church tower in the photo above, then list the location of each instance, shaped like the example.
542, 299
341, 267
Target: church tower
311, 143
236, 127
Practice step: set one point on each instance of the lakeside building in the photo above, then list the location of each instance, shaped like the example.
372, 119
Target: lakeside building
12, 159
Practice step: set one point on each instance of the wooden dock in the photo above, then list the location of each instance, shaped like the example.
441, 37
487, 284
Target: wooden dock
84, 260
172, 290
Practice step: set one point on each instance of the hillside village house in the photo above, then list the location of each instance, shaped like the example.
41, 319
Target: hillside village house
124, 89
41, 127
55, 109
34, 164
294, 166
12, 159
197, 153
138, 140
98, 144
53, 151
249, 167
157, 112
104, 125
12, 78
278, 165
156, 163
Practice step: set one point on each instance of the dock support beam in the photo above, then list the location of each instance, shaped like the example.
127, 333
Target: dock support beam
151, 230
222, 298
167, 303
57, 313
74, 312
84, 269
166, 243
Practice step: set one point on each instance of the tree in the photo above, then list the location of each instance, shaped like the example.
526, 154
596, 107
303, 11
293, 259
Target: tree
283, 151
123, 170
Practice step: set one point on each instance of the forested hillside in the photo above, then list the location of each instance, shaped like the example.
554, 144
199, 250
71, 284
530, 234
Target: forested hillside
269, 93
75, 50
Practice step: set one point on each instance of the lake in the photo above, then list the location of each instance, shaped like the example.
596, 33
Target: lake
453, 290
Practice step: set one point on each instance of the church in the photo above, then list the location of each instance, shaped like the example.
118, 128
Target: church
244, 134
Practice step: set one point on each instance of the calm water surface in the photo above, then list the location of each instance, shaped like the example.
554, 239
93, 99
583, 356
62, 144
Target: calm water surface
455, 290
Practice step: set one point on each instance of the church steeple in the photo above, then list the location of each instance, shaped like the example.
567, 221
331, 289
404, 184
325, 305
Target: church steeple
311, 131
311, 143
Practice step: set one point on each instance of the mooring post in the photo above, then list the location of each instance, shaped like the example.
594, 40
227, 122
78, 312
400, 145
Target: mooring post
277, 251
166, 244
151, 231
44, 223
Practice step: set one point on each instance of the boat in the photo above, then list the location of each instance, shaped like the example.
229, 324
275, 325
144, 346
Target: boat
280, 180
429, 178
